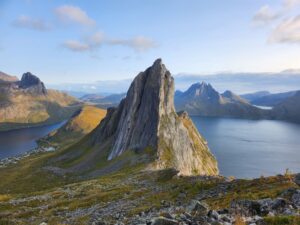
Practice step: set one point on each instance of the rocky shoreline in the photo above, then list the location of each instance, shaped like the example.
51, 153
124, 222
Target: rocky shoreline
15, 159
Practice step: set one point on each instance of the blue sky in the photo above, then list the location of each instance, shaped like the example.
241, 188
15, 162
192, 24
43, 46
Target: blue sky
86, 41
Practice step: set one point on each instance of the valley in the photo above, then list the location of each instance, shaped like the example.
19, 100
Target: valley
149, 112
142, 163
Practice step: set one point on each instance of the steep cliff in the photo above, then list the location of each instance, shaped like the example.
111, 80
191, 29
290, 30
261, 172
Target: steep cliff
146, 122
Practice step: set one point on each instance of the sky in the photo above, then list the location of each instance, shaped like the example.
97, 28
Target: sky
84, 41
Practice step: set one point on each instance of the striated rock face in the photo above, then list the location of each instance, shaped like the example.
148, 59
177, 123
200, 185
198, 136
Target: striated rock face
32, 82
146, 118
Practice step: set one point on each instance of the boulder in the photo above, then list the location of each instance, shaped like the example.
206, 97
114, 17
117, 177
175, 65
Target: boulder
297, 179
163, 221
198, 208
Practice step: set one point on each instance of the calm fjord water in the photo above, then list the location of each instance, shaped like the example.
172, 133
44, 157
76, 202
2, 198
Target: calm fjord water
243, 148
15, 142
251, 148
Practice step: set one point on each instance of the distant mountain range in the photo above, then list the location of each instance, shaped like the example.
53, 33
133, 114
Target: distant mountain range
203, 100
265, 98
27, 102
289, 108
242, 83
103, 101
256, 95
239, 83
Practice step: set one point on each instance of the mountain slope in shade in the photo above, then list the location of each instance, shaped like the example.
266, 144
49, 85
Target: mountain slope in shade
144, 128
288, 109
272, 99
82, 123
252, 96
203, 100
28, 103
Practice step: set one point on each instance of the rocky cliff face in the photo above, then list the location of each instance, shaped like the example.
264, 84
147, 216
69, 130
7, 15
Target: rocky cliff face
146, 119
32, 83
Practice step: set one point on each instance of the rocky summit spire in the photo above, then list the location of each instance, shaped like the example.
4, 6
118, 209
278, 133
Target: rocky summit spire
32, 83
146, 118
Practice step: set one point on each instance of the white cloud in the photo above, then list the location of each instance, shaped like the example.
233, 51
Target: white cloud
290, 4
96, 39
139, 44
30, 23
74, 14
265, 15
76, 46
288, 31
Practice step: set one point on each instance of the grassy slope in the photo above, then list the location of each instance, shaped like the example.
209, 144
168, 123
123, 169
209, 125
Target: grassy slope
136, 190
81, 124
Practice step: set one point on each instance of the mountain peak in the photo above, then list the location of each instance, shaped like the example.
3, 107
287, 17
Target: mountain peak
157, 62
203, 90
32, 82
228, 94
146, 124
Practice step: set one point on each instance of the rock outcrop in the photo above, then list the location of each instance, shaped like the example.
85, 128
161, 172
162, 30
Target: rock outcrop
146, 119
32, 83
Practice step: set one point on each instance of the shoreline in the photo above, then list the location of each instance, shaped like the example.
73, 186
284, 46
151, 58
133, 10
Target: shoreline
15, 159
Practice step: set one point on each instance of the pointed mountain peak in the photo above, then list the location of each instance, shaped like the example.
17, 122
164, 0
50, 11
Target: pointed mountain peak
146, 125
157, 62
204, 90
228, 94
32, 82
